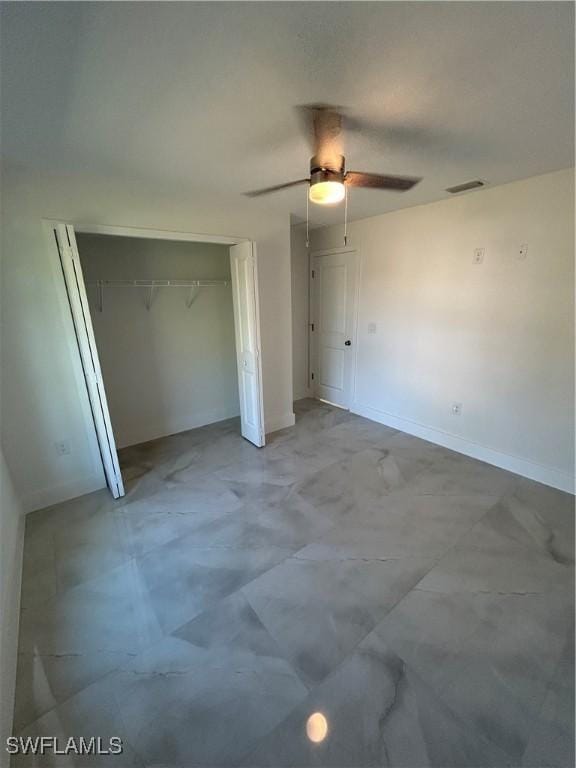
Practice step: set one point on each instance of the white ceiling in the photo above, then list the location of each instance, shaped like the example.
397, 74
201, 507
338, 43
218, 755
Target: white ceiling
195, 97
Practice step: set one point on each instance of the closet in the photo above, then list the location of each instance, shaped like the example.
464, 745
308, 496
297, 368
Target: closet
167, 333
164, 325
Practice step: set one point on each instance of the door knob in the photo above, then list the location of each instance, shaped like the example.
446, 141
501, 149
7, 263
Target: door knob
348, 343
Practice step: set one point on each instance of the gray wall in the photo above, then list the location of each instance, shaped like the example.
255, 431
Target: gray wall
497, 337
170, 368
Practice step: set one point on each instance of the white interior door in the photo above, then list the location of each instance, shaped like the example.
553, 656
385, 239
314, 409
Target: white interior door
76, 290
247, 327
333, 281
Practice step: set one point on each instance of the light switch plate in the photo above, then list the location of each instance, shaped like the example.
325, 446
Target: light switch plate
371, 327
478, 257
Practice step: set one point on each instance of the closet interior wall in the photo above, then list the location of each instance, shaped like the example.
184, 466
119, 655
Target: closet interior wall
168, 358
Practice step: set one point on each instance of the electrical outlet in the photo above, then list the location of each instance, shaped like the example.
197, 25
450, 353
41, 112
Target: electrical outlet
523, 251
62, 448
478, 257
371, 327
456, 409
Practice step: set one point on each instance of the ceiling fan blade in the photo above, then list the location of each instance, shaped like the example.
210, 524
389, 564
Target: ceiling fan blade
276, 188
378, 181
421, 138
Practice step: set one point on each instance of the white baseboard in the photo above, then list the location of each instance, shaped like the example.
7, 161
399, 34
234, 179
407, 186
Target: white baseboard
275, 423
173, 428
530, 469
46, 497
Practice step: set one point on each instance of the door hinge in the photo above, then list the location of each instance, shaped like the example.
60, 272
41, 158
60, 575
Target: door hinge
312, 326
313, 274
312, 376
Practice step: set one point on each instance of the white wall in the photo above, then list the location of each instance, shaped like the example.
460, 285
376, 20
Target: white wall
300, 311
170, 368
11, 540
43, 399
497, 337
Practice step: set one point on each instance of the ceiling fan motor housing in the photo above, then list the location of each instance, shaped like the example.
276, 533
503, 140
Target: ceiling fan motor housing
323, 172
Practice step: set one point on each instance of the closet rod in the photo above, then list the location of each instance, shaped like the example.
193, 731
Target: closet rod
158, 283
153, 284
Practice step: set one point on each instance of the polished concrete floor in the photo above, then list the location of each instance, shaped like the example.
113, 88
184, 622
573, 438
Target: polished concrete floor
419, 600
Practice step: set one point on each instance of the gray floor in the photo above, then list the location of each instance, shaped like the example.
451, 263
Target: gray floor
420, 600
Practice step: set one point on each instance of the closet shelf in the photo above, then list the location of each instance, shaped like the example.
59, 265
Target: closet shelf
152, 285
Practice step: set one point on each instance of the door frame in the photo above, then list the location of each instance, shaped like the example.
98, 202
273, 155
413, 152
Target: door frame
69, 330
355, 312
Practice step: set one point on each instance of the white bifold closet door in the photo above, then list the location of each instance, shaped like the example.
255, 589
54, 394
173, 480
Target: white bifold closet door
76, 290
246, 324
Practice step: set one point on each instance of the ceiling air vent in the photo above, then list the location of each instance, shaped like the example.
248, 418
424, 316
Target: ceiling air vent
466, 186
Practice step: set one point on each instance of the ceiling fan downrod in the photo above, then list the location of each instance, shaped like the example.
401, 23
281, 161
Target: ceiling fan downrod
345, 215
307, 220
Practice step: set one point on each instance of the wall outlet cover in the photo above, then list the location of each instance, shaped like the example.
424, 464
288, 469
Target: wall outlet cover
456, 409
62, 447
523, 251
371, 327
478, 257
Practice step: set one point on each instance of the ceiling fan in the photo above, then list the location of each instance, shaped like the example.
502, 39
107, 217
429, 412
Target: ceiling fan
328, 175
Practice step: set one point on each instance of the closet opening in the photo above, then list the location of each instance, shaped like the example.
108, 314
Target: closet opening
168, 334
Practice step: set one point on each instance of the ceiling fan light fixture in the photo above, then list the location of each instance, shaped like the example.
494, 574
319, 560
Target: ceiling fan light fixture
327, 192
329, 180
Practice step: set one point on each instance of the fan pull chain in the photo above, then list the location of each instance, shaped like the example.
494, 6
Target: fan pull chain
346, 214
307, 219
